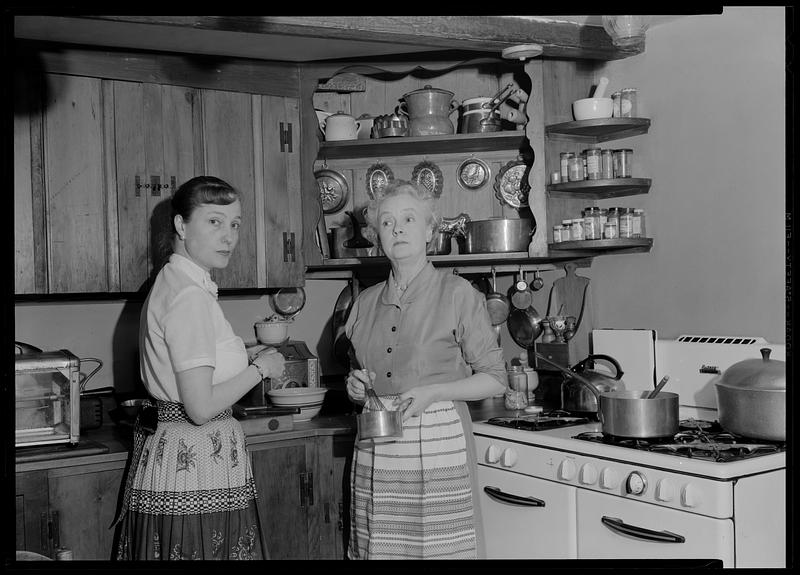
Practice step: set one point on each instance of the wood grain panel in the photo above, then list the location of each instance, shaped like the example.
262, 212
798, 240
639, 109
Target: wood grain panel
75, 185
228, 138
110, 176
314, 248
31, 502
37, 90
130, 119
24, 276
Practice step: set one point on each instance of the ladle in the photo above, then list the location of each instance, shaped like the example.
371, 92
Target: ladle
659, 387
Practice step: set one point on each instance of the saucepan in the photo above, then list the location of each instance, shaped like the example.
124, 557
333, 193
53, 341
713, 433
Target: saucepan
630, 413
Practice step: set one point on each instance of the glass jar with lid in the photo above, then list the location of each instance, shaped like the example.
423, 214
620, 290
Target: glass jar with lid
591, 223
625, 227
557, 231
593, 164
607, 164
575, 169
622, 163
576, 229
611, 227
639, 230
627, 103
565, 158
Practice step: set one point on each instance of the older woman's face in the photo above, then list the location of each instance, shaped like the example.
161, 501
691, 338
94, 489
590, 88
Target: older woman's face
403, 227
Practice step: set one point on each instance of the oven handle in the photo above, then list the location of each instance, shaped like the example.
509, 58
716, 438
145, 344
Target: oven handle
523, 500
640, 532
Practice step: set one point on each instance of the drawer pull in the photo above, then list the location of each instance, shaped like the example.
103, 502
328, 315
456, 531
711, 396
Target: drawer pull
640, 532
523, 500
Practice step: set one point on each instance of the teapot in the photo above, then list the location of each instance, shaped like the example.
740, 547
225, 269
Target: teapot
574, 395
340, 126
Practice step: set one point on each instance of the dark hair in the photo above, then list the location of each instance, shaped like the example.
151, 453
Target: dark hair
201, 190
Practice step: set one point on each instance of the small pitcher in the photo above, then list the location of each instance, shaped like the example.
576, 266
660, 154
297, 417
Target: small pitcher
340, 126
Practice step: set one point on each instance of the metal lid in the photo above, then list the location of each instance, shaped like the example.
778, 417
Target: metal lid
757, 374
429, 88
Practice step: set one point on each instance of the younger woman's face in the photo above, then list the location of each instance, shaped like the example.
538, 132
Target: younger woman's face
211, 234
403, 227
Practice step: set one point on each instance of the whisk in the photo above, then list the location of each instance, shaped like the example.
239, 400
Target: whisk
374, 403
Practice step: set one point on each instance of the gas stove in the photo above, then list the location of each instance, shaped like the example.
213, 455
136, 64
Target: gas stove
702, 493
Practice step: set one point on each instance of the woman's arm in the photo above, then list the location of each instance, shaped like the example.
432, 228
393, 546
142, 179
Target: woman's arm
202, 400
475, 387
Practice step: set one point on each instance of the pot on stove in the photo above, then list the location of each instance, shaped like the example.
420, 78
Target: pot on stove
576, 397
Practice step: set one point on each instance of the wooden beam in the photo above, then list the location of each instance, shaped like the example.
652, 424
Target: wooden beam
479, 33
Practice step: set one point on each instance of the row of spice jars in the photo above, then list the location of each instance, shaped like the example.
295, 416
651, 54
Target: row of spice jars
602, 224
593, 164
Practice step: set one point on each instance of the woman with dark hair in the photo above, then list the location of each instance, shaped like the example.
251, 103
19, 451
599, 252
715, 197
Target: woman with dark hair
190, 492
424, 340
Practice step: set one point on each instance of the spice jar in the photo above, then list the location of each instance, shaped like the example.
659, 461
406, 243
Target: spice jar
622, 163
557, 233
591, 223
555, 177
575, 169
565, 158
639, 223
611, 227
625, 229
607, 164
593, 164
603, 218
609, 231
576, 229
627, 103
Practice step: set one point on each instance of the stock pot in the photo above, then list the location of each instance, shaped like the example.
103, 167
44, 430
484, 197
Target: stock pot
497, 235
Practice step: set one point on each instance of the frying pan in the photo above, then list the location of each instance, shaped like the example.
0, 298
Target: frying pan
496, 304
524, 325
288, 301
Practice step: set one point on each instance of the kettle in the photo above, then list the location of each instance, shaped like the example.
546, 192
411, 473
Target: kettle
340, 126
574, 395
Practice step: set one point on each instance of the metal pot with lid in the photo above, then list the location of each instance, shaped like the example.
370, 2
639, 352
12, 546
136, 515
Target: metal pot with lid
428, 111
576, 397
751, 398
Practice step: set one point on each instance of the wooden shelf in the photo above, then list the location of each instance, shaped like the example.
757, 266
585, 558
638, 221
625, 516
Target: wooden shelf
602, 130
408, 146
618, 245
601, 189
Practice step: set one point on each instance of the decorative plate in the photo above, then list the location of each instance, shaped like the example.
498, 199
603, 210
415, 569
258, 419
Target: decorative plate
429, 175
379, 175
333, 190
511, 184
473, 174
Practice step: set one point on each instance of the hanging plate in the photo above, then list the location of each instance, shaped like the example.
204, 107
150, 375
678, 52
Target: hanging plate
428, 175
379, 175
511, 184
472, 174
333, 190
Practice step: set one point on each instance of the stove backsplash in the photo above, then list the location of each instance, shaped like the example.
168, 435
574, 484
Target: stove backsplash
693, 362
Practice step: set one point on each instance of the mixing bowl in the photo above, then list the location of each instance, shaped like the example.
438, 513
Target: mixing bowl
308, 399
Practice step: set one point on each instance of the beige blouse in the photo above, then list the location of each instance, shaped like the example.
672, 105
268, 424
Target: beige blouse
436, 331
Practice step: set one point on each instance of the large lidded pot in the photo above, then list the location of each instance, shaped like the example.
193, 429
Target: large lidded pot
428, 111
751, 398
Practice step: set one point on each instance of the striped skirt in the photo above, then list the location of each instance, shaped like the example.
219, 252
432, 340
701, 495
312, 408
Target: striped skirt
412, 498
190, 492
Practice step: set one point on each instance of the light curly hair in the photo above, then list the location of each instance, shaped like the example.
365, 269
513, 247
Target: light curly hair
400, 187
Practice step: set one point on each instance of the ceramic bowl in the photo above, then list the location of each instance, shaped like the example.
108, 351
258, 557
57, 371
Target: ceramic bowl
592, 108
308, 399
272, 332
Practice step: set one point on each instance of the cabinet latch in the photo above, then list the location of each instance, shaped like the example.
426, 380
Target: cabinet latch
155, 185
286, 137
288, 247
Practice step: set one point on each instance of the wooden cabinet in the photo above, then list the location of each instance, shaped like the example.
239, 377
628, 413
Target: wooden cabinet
156, 148
68, 507
297, 497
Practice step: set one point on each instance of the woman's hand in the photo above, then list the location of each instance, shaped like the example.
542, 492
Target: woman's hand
415, 401
356, 385
270, 361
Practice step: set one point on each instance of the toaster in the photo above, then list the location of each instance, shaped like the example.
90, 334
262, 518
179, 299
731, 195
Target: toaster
47, 398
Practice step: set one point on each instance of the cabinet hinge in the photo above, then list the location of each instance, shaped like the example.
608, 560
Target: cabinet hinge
288, 247
138, 185
310, 487
286, 137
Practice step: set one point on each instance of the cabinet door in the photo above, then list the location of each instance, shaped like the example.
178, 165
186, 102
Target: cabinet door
283, 222
75, 190
281, 474
32, 515
342, 466
154, 133
228, 138
85, 498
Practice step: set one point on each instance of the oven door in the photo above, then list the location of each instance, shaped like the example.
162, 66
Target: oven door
525, 517
611, 527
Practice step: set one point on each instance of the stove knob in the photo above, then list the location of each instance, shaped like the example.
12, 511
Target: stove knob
509, 458
690, 496
588, 474
664, 490
493, 454
566, 470
636, 484
609, 479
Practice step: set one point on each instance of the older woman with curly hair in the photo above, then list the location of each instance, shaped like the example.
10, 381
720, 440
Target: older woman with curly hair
424, 340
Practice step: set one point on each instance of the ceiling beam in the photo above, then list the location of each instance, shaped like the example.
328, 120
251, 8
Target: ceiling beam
479, 33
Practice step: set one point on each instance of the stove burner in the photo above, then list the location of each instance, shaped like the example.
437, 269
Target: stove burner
538, 421
697, 439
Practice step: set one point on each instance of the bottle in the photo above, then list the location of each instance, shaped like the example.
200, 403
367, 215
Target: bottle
639, 223
607, 164
533, 377
565, 158
547, 332
516, 396
575, 169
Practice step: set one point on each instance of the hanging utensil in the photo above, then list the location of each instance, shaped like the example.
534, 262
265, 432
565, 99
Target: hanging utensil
524, 325
496, 303
537, 282
520, 295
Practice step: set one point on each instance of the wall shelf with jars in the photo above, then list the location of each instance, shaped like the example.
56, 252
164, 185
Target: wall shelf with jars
601, 189
599, 130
